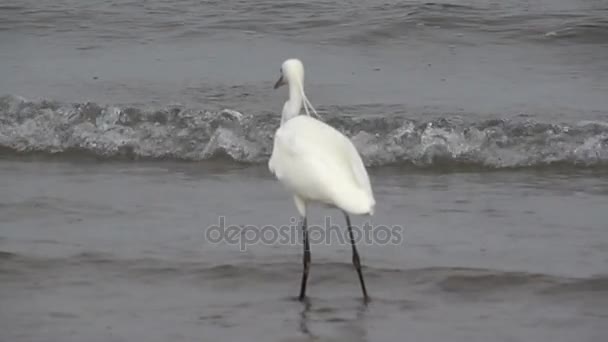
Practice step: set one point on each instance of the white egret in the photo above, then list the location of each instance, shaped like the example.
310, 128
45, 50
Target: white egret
318, 164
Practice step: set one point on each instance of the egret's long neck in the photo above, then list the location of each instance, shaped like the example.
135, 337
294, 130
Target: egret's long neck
293, 106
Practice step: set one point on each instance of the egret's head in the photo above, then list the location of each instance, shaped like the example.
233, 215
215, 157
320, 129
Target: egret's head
292, 71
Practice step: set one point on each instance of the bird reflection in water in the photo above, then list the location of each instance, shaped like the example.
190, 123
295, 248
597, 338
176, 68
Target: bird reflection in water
350, 329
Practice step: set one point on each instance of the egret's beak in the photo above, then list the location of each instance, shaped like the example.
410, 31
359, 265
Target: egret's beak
279, 83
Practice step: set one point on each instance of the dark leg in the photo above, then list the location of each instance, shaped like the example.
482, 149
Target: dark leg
306, 259
356, 260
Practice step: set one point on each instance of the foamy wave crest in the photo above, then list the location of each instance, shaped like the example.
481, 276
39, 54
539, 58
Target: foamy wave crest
188, 134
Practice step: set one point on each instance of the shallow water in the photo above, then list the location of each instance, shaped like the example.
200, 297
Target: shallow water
129, 129
118, 251
542, 58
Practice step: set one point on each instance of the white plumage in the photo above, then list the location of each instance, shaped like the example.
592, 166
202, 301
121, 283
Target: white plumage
317, 163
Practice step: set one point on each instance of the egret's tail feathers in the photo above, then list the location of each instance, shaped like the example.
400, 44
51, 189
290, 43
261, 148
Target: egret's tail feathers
356, 203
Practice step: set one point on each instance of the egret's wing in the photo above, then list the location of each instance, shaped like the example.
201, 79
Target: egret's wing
321, 162
357, 167
327, 138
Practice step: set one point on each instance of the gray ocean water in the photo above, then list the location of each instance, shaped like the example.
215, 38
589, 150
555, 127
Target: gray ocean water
129, 129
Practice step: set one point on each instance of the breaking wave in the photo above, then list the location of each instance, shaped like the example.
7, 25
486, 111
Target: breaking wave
180, 133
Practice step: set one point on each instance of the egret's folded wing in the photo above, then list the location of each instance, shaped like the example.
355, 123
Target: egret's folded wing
357, 167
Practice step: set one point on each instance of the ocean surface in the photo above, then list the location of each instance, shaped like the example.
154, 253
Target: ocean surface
130, 131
